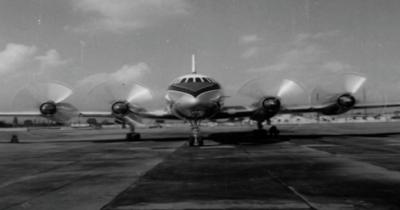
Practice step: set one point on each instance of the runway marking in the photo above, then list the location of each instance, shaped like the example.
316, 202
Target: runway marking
220, 204
285, 185
393, 144
293, 190
217, 147
320, 145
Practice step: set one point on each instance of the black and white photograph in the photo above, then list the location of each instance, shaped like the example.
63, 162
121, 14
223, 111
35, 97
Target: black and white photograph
199, 104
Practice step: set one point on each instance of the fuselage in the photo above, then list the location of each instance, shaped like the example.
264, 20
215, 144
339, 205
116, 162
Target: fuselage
194, 97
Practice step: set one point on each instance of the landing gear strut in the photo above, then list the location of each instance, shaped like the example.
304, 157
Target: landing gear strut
272, 131
195, 139
132, 135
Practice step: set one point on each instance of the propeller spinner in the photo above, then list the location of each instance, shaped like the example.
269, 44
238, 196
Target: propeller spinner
45, 97
285, 91
271, 95
119, 96
339, 90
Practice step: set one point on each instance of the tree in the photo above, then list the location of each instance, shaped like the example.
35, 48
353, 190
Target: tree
91, 121
28, 123
15, 122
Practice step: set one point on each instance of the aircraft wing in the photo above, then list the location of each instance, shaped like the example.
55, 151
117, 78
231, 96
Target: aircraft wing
95, 114
158, 114
234, 111
237, 111
21, 114
374, 106
304, 109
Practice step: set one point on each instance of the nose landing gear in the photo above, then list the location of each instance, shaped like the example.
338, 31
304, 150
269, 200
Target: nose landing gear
195, 139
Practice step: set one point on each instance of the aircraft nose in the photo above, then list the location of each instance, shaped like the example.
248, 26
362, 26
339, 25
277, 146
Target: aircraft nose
188, 101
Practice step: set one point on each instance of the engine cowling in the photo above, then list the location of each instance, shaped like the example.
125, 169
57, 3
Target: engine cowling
268, 107
342, 104
271, 105
120, 108
48, 108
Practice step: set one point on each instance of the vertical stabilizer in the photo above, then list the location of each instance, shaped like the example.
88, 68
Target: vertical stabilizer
194, 64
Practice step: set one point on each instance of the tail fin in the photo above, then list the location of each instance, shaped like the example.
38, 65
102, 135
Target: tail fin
193, 64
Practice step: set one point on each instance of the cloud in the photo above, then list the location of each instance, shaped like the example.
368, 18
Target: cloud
308, 61
20, 64
250, 52
306, 54
304, 38
126, 74
51, 59
15, 56
249, 42
94, 90
249, 38
125, 15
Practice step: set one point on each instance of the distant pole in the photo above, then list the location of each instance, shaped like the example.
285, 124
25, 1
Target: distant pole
83, 45
364, 99
194, 64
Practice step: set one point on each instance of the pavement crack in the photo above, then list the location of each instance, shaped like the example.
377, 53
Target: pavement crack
278, 180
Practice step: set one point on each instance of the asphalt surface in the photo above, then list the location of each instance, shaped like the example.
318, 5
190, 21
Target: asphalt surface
326, 166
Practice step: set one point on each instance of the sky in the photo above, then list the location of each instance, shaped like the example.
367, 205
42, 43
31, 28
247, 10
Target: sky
81, 43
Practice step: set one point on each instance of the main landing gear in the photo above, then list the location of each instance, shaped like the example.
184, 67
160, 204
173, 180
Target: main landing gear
195, 139
272, 131
132, 135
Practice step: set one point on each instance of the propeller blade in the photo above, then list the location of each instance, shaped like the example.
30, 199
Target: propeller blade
353, 83
139, 94
111, 91
290, 92
32, 96
252, 89
289, 87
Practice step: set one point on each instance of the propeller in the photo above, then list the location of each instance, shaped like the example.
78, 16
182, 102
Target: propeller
353, 83
271, 94
47, 98
287, 91
342, 88
120, 96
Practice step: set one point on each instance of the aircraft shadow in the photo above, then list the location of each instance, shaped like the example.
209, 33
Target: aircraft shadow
255, 137
237, 137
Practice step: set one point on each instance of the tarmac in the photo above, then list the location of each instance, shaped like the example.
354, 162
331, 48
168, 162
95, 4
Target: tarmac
313, 166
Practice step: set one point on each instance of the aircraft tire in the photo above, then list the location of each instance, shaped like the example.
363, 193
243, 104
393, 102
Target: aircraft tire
273, 131
200, 141
191, 141
133, 136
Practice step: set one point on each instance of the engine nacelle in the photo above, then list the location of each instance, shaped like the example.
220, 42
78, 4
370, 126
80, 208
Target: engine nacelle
268, 107
120, 108
342, 104
48, 108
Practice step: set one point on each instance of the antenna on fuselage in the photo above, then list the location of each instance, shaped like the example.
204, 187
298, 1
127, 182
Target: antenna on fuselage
193, 64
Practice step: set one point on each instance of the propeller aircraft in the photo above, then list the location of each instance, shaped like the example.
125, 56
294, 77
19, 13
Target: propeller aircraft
195, 98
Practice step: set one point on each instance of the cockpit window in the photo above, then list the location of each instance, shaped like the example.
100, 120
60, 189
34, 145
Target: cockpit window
190, 80
198, 79
208, 80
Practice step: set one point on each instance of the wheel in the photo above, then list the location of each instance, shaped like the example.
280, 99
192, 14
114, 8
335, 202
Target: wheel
191, 141
133, 136
273, 131
14, 139
260, 133
200, 141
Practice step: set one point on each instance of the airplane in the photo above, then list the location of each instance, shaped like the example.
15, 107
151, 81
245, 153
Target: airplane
194, 98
